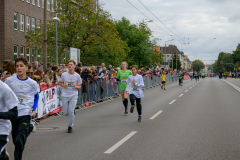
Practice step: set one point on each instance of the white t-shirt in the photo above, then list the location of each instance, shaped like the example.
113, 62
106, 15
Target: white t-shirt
69, 79
25, 90
8, 101
137, 88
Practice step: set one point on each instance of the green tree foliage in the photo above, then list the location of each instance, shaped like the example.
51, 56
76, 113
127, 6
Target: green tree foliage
225, 62
137, 36
94, 33
179, 65
198, 65
236, 55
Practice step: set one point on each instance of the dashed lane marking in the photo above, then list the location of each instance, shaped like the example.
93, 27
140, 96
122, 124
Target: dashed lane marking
172, 101
155, 115
118, 144
180, 95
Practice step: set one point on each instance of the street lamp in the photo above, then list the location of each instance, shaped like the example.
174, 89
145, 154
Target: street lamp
56, 19
165, 52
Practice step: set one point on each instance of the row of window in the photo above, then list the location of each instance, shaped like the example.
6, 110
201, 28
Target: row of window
41, 2
28, 22
28, 53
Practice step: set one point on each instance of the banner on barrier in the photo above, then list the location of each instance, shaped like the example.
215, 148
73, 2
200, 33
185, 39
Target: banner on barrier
49, 102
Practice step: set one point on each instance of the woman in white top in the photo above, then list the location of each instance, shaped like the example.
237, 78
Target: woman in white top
135, 91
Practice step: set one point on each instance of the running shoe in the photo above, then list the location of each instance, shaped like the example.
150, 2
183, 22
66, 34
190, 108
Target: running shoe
161, 87
126, 111
69, 129
4, 155
132, 109
164, 89
139, 118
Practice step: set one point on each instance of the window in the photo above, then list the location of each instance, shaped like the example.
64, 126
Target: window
33, 2
33, 54
42, 3
28, 1
33, 24
39, 55
15, 52
53, 5
15, 21
22, 22
38, 23
22, 51
38, 3
28, 23
167, 55
28, 54
48, 5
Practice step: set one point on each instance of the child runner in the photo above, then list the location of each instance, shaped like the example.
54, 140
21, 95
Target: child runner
163, 77
8, 108
180, 76
135, 91
70, 82
26, 91
122, 76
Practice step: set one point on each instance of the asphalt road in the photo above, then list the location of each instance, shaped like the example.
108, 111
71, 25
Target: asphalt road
196, 121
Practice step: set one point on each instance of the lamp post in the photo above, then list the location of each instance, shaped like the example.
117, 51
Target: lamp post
56, 19
165, 52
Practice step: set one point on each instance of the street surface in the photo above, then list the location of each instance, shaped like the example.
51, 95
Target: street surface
195, 121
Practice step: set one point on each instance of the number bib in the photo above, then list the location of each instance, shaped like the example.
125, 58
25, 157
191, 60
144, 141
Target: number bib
135, 89
22, 99
69, 84
164, 79
124, 81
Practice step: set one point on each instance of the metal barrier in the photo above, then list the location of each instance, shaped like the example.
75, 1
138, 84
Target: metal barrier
99, 90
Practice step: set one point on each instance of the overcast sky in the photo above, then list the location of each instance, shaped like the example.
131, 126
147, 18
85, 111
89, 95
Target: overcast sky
209, 26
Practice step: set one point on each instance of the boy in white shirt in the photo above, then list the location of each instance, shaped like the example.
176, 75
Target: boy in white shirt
70, 82
26, 90
8, 110
135, 91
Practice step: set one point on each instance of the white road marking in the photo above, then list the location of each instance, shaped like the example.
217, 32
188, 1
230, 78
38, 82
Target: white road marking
181, 95
155, 115
190, 88
172, 101
118, 144
233, 85
186, 91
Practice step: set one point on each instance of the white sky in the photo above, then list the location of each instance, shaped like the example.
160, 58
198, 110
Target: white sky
209, 26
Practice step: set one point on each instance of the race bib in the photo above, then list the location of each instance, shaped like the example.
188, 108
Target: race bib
164, 79
22, 99
70, 84
124, 81
135, 89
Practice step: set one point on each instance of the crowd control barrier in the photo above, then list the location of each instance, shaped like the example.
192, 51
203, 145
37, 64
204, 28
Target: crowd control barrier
91, 92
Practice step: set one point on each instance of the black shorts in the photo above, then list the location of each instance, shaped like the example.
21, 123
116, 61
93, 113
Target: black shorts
163, 82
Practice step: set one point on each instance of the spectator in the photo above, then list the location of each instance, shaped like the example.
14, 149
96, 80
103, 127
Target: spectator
109, 67
79, 65
58, 75
36, 67
48, 78
55, 69
93, 68
64, 66
84, 75
78, 70
8, 71
39, 73
103, 65
49, 68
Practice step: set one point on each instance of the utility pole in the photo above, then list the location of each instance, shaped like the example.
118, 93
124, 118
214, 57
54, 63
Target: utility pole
45, 37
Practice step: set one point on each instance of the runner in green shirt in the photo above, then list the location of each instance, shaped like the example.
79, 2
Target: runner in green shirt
122, 77
180, 76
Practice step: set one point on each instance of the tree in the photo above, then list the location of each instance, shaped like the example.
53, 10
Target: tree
236, 55
94, 33
198, 65
137, 37
179, 67
225, 62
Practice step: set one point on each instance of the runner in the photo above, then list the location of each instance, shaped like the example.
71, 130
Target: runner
198, 75
26, 90
163, 77
8, 108
122, 76
70, 82
180, 76
135, 91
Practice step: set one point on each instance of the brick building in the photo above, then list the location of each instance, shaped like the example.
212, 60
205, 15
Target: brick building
17, 17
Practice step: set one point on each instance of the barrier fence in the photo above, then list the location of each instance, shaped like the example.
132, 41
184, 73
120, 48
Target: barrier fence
91, 92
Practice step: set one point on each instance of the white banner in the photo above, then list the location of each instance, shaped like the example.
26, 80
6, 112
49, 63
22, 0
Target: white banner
48, 101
